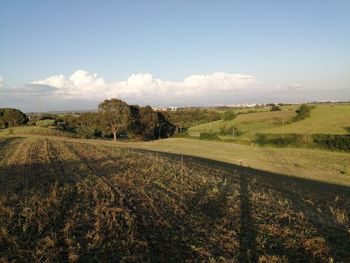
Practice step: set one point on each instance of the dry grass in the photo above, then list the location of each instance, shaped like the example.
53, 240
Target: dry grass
314, 164
73, 201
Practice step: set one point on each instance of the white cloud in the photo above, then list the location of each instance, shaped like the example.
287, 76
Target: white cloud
0, 81
83, 85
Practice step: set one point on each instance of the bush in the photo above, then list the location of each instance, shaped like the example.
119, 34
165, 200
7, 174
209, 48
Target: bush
208, 136
87, 132
332, 142
261, 139
275, 108
228, 130
280, 141
303, 112
229, 115
325, 141
45, 123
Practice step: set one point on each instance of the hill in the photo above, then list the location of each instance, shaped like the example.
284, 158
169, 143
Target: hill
313, 164
253, 122
71, 200
324, 119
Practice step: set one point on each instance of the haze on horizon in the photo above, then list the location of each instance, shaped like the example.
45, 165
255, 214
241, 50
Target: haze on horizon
65, 55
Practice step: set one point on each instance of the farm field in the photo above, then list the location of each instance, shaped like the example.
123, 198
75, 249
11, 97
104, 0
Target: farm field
325, 119
314, 164
69, 200
33, 130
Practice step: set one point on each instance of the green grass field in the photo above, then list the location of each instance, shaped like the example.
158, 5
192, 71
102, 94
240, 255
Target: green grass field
253, 122
325, 118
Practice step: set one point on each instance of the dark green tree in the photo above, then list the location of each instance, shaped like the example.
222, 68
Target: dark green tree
148, 121
164, 128
12, 117
275, 108
115, 115
229, 115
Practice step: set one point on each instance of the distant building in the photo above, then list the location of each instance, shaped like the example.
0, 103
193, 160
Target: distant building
159, 109
243, 105
172, 108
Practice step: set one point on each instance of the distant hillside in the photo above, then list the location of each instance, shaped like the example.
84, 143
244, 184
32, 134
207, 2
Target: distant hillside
253, 122
325, 118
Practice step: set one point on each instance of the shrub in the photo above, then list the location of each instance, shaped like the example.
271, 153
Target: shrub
87, 132
332, 142
228, 130
229, 115
275, 108
325, 141
280, 141
261, 139
208, 136
303, 112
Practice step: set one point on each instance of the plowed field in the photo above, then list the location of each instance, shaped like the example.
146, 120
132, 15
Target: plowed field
62, 200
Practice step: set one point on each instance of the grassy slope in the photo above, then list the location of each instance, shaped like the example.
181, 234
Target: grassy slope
251, 121
325, 118
314, 164
334, 119
70, 200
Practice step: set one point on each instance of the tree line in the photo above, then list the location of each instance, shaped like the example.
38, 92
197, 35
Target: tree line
114, 119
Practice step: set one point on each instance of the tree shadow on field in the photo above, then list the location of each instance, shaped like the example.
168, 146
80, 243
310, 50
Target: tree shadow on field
247, 234
321, 210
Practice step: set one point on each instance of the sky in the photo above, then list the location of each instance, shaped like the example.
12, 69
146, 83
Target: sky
69, 55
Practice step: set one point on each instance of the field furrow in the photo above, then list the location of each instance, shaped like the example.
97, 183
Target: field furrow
72, 201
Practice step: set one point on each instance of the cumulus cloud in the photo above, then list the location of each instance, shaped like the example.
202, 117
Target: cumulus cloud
83, 90
84, 85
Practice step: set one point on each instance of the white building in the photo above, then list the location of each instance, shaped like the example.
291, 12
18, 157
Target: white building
172, 108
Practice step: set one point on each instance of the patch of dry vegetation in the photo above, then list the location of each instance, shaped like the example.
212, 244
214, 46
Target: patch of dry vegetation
70, 201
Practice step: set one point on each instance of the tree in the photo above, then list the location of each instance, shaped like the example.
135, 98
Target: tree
148, 120
213, 115
164, 128
115, 116
12, 117
275, 108
229, 115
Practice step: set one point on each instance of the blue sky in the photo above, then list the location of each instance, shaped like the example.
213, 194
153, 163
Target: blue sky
285, 48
